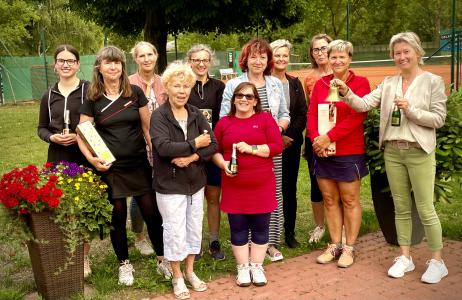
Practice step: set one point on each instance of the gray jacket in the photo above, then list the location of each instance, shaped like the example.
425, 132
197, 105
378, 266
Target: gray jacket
426, 112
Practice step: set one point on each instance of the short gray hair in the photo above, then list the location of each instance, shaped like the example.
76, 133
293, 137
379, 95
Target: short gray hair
340, 46
180, 70
200, 47
410, 38
134, 51
281, 43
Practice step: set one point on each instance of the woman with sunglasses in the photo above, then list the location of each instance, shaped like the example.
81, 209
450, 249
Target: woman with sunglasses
256, 61
319, 67
206, 95
59, 108
249, 196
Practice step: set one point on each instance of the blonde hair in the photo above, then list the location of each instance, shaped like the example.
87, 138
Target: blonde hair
111, 54
281, 43
340, 46
178, 70
134, 51
410, 38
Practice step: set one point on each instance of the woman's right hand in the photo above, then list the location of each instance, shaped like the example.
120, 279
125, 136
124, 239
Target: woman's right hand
64, 139
99, 164
342, 87
225, 167
202, 140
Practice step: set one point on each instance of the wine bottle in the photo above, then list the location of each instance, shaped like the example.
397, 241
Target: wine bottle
67, 122
396, 116
233, 163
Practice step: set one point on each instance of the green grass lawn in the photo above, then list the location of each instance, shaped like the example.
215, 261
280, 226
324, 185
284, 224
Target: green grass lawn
21, 146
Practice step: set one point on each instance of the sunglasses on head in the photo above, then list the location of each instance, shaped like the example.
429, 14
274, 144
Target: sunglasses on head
241, 96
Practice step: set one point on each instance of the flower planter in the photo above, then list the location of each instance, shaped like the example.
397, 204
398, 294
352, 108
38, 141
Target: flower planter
50, 255
385, 211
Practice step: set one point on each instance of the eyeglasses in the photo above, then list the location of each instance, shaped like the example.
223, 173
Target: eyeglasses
323, 49
241, 96
198, 61
70, 62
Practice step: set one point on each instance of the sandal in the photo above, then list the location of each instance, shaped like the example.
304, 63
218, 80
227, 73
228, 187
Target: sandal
197, 284
274, 254
179, 289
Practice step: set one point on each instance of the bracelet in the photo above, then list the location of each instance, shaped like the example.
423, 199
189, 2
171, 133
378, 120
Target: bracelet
254, 149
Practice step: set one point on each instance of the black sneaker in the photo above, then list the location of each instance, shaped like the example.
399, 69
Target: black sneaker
215, 251
291, 242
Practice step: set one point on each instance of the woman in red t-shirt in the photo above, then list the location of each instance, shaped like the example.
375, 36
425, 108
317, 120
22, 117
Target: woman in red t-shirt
248, 197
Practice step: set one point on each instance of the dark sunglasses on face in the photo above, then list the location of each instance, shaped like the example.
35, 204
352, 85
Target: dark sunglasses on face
241, 96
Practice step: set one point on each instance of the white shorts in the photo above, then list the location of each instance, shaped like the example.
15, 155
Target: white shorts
182, 221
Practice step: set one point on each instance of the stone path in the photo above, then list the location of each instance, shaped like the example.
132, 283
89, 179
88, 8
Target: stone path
302, 278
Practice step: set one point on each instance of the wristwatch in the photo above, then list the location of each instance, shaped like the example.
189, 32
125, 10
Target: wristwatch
254, 149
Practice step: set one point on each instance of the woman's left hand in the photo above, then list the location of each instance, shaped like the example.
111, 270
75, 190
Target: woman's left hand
320, 143
402, 103
243, 147
183, 162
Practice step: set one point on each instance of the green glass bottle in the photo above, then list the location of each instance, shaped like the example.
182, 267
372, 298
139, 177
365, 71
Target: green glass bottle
396, 116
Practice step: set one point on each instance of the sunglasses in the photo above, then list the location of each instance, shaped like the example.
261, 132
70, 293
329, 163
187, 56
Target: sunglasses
241, 96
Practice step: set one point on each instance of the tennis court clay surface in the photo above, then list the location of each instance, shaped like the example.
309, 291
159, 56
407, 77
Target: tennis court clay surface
375, 75
302, 278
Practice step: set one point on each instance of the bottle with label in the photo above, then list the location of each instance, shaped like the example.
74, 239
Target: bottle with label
396, 116
67, 122
233, 161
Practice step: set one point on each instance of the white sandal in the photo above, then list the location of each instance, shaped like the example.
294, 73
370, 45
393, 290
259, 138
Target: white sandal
197, 284
179, 289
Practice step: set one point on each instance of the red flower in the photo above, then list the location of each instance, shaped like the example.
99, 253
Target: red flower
48, 165
53, 178
23, 211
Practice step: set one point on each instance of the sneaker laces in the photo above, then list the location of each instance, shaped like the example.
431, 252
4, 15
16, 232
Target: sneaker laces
316, 234
332, 248
348, 250
126, 268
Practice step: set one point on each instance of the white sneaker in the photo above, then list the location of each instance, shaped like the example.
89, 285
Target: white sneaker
86, 266
126, 273
316, 234
258, 274
436, 270
164, 268
243, 275
402, 265
144, 247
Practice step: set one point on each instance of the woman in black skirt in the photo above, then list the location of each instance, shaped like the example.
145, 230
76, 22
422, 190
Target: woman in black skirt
59, 115
121, 116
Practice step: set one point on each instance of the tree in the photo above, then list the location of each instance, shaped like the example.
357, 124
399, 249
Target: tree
15, 17
159, 18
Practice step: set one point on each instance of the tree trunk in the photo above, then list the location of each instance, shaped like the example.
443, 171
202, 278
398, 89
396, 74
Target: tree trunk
155, 32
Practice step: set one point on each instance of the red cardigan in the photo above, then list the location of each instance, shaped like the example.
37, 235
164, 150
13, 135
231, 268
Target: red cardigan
348, 133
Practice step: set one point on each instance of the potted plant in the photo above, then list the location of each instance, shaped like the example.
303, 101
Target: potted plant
56, 208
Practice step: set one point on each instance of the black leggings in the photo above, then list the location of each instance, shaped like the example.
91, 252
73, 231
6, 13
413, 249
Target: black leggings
240, 224
148, 207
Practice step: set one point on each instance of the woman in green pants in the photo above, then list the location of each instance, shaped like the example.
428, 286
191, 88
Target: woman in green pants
412, 106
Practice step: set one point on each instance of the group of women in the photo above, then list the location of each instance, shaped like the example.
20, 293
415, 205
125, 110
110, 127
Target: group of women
174, 136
